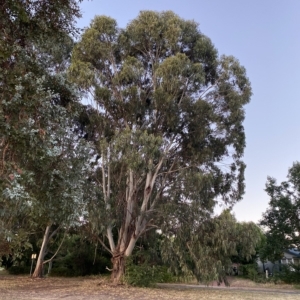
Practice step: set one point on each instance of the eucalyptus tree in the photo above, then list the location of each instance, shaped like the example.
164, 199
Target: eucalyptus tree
34, 44
59, 189
281, 220
49, 193
167, 123
36, 102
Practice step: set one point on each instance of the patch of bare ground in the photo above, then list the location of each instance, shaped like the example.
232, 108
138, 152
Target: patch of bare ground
92, 288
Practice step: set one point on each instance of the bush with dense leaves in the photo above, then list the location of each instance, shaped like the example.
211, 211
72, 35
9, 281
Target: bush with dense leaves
288, 274
80, 263
146, 274
17, 270
250, 271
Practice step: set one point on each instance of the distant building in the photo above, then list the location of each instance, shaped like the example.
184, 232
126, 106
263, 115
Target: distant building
289, 256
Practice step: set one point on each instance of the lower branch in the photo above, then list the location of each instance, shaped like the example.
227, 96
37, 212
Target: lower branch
48, 260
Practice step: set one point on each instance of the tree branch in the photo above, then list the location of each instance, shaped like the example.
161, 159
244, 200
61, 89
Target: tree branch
54, 233
48, 260
103, 245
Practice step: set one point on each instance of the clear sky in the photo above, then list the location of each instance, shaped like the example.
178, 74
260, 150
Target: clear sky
264, 36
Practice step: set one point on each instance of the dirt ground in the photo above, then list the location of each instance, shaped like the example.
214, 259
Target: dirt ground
92, 288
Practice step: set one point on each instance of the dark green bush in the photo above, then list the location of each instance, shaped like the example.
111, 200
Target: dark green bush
18, 270
289, 274
163, 275
62, 271
250, 271
78, 257
145, 274
79, 264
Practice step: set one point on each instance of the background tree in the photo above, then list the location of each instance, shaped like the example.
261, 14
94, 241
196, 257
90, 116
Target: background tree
282, 219
204, 248
253, 235
168, 126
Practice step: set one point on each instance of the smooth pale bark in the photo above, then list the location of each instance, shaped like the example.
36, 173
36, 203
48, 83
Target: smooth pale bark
38, 271
133, 226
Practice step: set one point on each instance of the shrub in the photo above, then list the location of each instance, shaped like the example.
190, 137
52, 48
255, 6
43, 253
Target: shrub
79, 264
250, 271
145, 274
18, 270
289, 274
62, 272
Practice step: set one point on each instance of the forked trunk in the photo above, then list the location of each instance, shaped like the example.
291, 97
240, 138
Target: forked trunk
118, 268
38, 271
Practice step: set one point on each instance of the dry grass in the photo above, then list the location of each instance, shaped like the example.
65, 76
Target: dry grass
92, 288
247, 283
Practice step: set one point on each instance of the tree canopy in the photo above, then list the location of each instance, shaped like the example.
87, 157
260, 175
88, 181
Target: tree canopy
41, 165
282, 219
159, 147
166, 120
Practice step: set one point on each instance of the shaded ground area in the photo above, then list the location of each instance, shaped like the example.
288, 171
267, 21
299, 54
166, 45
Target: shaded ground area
22, 287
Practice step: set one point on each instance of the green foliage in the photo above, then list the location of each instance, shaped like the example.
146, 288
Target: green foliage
288, 274
251, 236
19, 270
78, 257
205, 249
250, 271
34, 48
44, 164
168, 115
80, 263
63, 271
281, 220
145, 266
146, 274
15, 248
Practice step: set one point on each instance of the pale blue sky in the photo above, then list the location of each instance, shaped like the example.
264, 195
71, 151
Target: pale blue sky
264, 36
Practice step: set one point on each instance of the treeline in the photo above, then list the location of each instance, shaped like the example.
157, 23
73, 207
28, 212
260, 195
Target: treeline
159, 146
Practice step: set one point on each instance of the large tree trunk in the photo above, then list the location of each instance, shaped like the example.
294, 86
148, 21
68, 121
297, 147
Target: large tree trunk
119, 258
118, 268
133, 225
38, 271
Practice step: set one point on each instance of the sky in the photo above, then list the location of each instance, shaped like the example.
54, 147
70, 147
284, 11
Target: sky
264, 36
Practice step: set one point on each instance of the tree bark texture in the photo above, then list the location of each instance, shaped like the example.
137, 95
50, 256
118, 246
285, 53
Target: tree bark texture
38, 271
133, 224
118, 268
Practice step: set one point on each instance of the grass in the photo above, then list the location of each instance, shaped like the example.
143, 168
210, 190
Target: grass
96, 287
